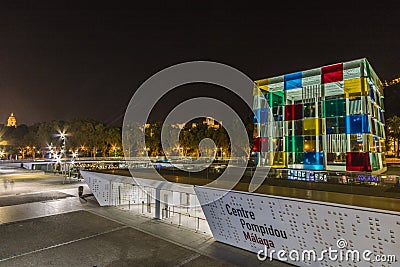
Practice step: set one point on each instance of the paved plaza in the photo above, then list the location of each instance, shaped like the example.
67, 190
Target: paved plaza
43, 222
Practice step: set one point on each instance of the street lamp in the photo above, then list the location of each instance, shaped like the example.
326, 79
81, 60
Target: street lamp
63, 136
63, 151
115, 150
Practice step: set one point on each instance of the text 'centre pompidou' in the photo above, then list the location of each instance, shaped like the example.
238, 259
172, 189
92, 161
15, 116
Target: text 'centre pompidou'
327, 118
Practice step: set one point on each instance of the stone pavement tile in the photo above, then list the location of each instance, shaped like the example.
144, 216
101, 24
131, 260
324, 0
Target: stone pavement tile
123, 247
171, 232
28, 198
40, 209
195, 241
34, 234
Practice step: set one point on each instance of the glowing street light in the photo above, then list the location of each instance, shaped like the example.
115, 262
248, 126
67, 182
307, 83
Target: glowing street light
115, 150
63, 136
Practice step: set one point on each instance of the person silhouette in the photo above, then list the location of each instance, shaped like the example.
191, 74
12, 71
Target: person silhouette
5, 183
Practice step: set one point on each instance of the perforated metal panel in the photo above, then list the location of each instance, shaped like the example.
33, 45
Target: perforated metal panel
100, 188
301, 224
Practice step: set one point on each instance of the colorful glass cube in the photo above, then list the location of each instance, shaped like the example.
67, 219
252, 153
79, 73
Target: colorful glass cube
324, 118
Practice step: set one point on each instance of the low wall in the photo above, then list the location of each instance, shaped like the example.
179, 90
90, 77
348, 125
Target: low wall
257, 222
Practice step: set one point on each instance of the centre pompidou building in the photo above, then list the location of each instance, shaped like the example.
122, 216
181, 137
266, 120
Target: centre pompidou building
328, 118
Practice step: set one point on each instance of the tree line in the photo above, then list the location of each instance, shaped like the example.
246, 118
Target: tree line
87, 137
91, 138
190, 137
392, 129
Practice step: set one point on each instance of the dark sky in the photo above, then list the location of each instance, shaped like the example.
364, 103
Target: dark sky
65, 59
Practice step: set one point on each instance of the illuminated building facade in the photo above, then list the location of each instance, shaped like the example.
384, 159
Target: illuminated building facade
12, 121
327, 118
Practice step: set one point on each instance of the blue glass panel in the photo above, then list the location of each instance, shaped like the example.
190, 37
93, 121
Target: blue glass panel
314, 160
357, 124
260, 115
371, 93
256, 157
293, 80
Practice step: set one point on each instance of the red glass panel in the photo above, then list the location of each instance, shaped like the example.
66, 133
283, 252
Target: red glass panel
358, 161
332, 73
372, 123
260, 144
293, 112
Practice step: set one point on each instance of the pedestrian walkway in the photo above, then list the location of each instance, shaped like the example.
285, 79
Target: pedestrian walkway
29, 208
185, 237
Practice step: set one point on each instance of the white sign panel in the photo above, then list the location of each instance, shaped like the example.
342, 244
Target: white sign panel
257, 222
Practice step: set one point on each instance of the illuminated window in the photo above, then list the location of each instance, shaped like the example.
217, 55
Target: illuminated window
314, 160
312, 110
276, 99
336, 158
335, 107
312, 126
356, 87
357, 161
312, 143
293, 112
294, 143
357, 124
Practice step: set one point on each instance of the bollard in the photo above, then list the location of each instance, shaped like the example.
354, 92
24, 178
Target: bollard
80, 191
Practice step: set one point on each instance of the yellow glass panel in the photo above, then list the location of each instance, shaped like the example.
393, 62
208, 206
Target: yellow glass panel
371, 143
256, 91
261, 82
356, 87
312, 126
262, 87
260, 90
276, 159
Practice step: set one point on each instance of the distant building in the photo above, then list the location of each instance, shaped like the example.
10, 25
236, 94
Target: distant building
209, 121
212, 123
12, 121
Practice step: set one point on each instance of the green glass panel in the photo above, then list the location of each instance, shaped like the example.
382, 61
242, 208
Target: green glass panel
378, 128
335, 107
374, 161
294, 143
276, 99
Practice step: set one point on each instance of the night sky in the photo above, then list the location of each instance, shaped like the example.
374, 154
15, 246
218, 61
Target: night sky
66, 59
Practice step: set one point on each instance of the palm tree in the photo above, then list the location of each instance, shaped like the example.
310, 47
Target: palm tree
393, 131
